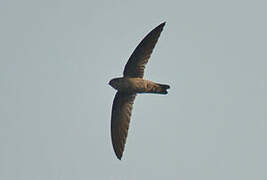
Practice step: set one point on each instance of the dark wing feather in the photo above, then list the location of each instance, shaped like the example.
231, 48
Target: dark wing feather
120, 119
139, 58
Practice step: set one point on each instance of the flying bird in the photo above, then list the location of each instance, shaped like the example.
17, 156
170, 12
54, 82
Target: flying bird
129, 86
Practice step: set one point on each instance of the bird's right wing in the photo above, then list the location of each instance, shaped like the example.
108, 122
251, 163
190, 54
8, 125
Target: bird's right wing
120, 119
136, 64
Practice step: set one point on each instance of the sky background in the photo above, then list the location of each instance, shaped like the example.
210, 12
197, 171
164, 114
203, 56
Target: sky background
55, 102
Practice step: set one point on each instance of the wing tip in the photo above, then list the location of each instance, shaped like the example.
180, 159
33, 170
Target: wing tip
163, 24
119, 156
160, 27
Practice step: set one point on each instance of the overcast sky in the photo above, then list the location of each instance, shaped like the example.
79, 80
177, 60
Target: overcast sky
56, 60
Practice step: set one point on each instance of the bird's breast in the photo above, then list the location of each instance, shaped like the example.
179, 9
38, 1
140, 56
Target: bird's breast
132, 85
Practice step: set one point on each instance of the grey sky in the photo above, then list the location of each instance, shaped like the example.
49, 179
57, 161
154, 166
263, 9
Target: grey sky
58, 56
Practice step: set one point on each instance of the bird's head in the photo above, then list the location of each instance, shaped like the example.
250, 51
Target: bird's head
114, 83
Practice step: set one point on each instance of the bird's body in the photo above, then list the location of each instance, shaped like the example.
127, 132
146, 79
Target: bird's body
131, 84
138, 85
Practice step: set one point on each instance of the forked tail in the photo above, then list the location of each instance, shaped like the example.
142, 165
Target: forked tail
160, 89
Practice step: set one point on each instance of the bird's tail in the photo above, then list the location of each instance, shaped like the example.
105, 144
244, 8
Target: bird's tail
160, 88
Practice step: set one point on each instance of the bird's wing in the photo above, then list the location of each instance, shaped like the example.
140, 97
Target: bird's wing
139, 58
120, 119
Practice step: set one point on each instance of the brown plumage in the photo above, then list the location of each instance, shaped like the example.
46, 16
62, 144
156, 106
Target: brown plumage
121, 114
136, 64
129, 85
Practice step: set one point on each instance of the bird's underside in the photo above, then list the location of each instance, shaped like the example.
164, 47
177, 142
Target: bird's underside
129, 85
138, 85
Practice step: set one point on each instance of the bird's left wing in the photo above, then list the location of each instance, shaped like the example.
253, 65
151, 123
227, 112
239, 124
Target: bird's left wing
120, 119
136, 64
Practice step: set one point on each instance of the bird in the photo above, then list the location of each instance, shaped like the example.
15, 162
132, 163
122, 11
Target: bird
131, 84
